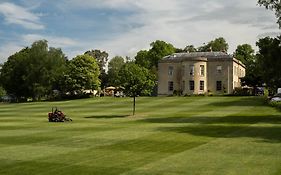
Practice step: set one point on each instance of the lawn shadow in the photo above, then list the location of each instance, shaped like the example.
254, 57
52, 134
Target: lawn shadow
269, 134
107, 116
272, 119
241, 102
224, 127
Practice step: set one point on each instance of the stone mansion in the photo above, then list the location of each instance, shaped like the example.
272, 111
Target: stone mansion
199, 73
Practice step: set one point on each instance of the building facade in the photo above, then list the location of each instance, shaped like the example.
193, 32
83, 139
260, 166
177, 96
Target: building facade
199, 73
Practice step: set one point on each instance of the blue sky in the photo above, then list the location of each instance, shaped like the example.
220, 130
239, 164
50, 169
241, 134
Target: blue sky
123, 27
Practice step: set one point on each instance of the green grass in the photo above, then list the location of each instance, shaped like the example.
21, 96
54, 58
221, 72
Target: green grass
169, 135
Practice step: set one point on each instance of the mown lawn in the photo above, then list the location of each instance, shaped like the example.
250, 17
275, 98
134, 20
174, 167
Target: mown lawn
169, 135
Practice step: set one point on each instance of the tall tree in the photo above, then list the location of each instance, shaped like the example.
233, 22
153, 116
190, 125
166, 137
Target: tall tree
114, 67
269, 60
190, 48
33, 72
159, 49
142, 58
136, 80
82, 74
217, 45
14, 74
2, 92
245, 53
102, 59
274, 5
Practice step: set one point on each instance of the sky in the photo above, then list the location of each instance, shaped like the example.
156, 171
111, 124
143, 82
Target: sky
123, 27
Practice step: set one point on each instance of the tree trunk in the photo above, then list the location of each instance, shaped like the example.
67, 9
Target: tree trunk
134, 105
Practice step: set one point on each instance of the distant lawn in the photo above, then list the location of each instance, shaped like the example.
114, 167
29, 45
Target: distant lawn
169, 135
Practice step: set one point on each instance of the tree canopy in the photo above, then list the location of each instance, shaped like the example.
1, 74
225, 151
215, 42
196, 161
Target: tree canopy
114, 66
102, 59
136, 80
82, 74
269, 61
149, 59
245, 53
33, 72
274, 5
219, 44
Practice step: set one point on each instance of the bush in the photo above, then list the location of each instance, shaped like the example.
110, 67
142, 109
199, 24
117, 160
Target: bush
275, 104
242, 91
177, 92
2, 92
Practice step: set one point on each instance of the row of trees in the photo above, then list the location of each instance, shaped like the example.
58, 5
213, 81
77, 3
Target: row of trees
39, 70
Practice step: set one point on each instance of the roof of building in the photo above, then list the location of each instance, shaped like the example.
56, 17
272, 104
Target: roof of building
194, 55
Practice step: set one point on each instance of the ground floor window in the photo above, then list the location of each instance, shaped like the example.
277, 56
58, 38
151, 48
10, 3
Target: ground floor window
191, 85
219, 86
171, 86
201, 85
183, 85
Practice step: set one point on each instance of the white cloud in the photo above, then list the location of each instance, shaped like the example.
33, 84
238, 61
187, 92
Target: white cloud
64, 43
53, 41
9, 49
180, 22
15, 14
237, 21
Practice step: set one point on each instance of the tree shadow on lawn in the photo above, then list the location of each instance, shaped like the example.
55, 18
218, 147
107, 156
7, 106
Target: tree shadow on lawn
269, 134
224, 127
107, 116
272, 119
249, 101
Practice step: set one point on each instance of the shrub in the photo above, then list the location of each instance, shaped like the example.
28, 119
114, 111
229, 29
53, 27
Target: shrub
242, 91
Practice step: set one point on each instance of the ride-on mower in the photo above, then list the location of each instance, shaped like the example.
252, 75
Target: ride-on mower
57, 116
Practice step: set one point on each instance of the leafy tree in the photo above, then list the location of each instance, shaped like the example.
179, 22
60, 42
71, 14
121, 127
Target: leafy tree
14, 74
82, 74
159, 49
269, 61
219, 44
114, 67
149, 59
100, 56
245, 53
274, 5
102, 59
142, 59
136, 80
2, 92
190, 48
33, 72
45, 66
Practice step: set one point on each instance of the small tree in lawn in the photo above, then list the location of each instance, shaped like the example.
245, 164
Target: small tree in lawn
136, 80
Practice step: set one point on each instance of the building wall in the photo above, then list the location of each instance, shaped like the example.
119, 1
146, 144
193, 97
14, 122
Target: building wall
195, 76
225, 76
164, 78
238, 71
231, 71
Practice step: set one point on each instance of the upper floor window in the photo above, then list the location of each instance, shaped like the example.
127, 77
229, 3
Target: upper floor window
202, 70
170, 70
191, 67
219, 69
